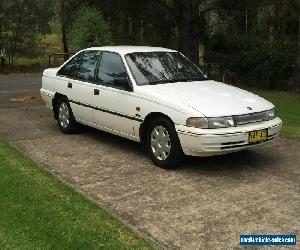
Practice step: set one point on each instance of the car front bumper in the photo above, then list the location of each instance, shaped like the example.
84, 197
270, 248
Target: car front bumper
207, 142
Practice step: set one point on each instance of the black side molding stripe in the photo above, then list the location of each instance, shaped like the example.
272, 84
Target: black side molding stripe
108, 111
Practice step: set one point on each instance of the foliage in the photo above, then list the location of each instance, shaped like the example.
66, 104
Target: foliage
21, 24
256, 43
246, 41
89, 29
252, 60
252, 41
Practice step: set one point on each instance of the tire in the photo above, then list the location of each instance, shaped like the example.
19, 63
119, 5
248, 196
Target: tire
65, 118
163, 144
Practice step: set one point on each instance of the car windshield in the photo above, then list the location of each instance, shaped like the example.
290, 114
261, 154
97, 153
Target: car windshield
150, 68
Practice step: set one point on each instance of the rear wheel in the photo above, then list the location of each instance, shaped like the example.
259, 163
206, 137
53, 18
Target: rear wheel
65, 117
163, 144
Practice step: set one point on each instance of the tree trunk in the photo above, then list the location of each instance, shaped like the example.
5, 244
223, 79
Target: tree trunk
63, 30
142, 32
297, 70
246, 21
11, 52
1, 42
272, 30
188, 29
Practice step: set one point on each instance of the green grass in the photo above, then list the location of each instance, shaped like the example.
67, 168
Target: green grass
37, 211
48, 44
51, 43
26, 64
288, 107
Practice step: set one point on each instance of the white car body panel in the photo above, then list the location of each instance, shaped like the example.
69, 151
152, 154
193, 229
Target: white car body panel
211, 98
122, 112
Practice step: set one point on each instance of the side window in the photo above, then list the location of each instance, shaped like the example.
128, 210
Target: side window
89, 61
82, 66
72, 67
111, 68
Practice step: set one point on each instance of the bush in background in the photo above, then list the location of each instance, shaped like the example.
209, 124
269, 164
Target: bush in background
251, 60
89, 29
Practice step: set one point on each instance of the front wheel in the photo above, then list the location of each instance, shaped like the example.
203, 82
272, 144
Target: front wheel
163, 144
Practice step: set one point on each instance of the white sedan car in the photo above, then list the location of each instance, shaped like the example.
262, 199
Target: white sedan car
160, 98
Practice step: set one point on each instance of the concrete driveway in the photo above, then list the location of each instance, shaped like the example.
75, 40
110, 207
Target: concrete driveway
205, 204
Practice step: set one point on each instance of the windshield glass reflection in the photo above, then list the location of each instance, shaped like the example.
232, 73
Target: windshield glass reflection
150, 68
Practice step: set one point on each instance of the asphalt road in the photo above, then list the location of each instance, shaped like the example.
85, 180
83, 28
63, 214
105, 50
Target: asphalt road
20, 83
205, 204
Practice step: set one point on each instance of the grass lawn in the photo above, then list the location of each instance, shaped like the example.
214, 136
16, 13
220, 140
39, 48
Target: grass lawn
51, 42
48, 44
288, 107
37, 211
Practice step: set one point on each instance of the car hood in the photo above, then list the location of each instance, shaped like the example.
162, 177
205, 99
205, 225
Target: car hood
212, 99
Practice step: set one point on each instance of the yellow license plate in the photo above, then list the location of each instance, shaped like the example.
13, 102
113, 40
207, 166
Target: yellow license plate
258, 136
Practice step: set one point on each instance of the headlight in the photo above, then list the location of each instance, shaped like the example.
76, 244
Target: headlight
197, 122
219, 122
271, 114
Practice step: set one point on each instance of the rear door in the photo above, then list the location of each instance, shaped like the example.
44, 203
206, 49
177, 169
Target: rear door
79, 80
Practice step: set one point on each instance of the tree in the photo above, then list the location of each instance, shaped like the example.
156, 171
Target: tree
178, 24
188, 20
89, 29
254, 47
21, 23
63, 30
296, 6
297, 70
1, 41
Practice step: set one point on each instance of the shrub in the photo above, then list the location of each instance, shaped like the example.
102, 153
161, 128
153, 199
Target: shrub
89, 29
252, 60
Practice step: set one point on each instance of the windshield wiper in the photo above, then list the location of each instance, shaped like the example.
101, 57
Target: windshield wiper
189, 80
177, 80
160, 82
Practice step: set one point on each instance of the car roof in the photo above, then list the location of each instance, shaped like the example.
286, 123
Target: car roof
123, 50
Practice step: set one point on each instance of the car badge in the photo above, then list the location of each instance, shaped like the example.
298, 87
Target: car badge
249, 108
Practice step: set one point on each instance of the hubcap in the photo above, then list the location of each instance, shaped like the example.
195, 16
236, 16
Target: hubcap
160, 143
64, 115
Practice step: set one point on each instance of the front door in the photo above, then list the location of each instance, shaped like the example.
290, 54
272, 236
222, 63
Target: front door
115, 103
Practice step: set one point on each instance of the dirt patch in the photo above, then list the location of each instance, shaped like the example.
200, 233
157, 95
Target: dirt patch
26, 98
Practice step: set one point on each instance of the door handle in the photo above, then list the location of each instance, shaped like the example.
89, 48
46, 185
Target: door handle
96, 91
69, 85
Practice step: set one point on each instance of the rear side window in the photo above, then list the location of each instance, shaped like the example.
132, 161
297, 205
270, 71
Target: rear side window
72, 67
111, 67
82, 66
89, 61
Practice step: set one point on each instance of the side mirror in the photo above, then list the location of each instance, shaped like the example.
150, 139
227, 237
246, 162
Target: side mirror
122, 82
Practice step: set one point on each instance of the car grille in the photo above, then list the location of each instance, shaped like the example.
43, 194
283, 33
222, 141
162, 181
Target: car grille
251, 118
